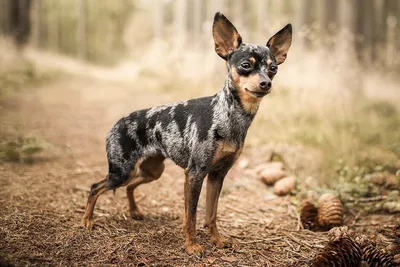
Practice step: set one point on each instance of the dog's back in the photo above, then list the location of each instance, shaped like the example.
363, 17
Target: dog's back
188, 132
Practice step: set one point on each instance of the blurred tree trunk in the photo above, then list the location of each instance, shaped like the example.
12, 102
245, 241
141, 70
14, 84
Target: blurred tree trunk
303, 22
180, 23
36, 23
359, 35
261, 14
53, 25
390, 12
197, 20
4, 17
287, 7
365, 29
158, 19
15, 20
81, 31
348, 25
327, 16
240, 15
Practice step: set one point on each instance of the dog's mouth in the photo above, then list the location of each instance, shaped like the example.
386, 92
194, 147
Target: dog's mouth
258, 93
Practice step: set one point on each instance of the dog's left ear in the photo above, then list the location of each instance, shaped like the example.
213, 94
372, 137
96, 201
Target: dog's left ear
226, 37
279, 43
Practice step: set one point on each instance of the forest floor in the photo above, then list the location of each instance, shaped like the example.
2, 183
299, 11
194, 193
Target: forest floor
42, 201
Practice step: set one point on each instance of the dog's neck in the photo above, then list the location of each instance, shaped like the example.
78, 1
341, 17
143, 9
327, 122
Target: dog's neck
234, 119
246, 107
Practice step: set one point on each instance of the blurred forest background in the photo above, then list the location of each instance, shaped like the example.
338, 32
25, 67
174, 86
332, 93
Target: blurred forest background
105, 31
337, 94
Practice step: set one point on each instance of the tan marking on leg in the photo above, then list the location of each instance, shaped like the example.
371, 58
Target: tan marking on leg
190, 224
87, 219
149, 170
133, 208
214, 186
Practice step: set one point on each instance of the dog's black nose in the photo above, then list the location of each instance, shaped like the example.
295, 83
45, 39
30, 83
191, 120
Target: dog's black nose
265, 84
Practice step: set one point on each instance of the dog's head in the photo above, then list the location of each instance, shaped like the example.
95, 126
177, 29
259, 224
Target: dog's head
251, 67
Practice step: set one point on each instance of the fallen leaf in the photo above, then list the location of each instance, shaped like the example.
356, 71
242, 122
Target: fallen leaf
211, 260
229, 259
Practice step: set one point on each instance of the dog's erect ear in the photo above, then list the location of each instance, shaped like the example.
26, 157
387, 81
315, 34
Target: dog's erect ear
226, 37
279, 43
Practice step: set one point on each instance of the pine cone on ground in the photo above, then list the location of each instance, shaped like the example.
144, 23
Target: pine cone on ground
396, 245
269, 165
376, 258
338, 232
372, 255
343, 252
285, 186
396, 230
392, 182
379, 178
308, 215
330, 211
271, 175
396, 260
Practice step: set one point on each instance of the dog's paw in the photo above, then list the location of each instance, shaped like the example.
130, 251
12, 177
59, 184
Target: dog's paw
195, 249
87, 223
136, 215
221, 242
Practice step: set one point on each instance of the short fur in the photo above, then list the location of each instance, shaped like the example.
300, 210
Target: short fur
204, 136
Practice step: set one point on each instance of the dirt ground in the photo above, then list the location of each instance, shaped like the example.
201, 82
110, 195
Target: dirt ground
42, 202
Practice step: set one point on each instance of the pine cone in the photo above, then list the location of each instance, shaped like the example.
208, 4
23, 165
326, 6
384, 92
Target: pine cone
285, 186
392, 182
376, 258
330, 211
339, 232
271, 176
396, 260
343, 252
396, 230
276, 165
396, 245
379, 178
363, 241
308, 215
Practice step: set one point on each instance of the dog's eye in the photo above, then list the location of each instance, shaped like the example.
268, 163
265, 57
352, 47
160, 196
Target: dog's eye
273, 68
245, 65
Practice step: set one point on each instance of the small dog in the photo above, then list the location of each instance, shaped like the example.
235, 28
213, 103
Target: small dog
204, 136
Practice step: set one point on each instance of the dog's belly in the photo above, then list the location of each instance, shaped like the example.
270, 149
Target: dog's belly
180, 157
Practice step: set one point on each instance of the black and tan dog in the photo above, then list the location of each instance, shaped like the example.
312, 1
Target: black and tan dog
204, 136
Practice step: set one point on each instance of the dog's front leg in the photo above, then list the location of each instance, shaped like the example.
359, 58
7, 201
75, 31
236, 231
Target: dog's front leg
193, 184
214, 185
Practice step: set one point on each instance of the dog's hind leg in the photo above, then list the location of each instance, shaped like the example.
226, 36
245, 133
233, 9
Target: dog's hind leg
148, 171
96, 190
115, 178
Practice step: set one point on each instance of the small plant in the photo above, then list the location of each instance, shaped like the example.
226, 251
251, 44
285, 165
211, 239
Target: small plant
369, 188
21, 149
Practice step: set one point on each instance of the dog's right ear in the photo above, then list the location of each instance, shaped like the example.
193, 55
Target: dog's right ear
226, 37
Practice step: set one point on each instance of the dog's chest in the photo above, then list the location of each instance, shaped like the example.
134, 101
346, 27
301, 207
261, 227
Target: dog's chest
226, 149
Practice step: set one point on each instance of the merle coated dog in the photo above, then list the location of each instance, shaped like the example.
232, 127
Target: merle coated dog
204, 136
